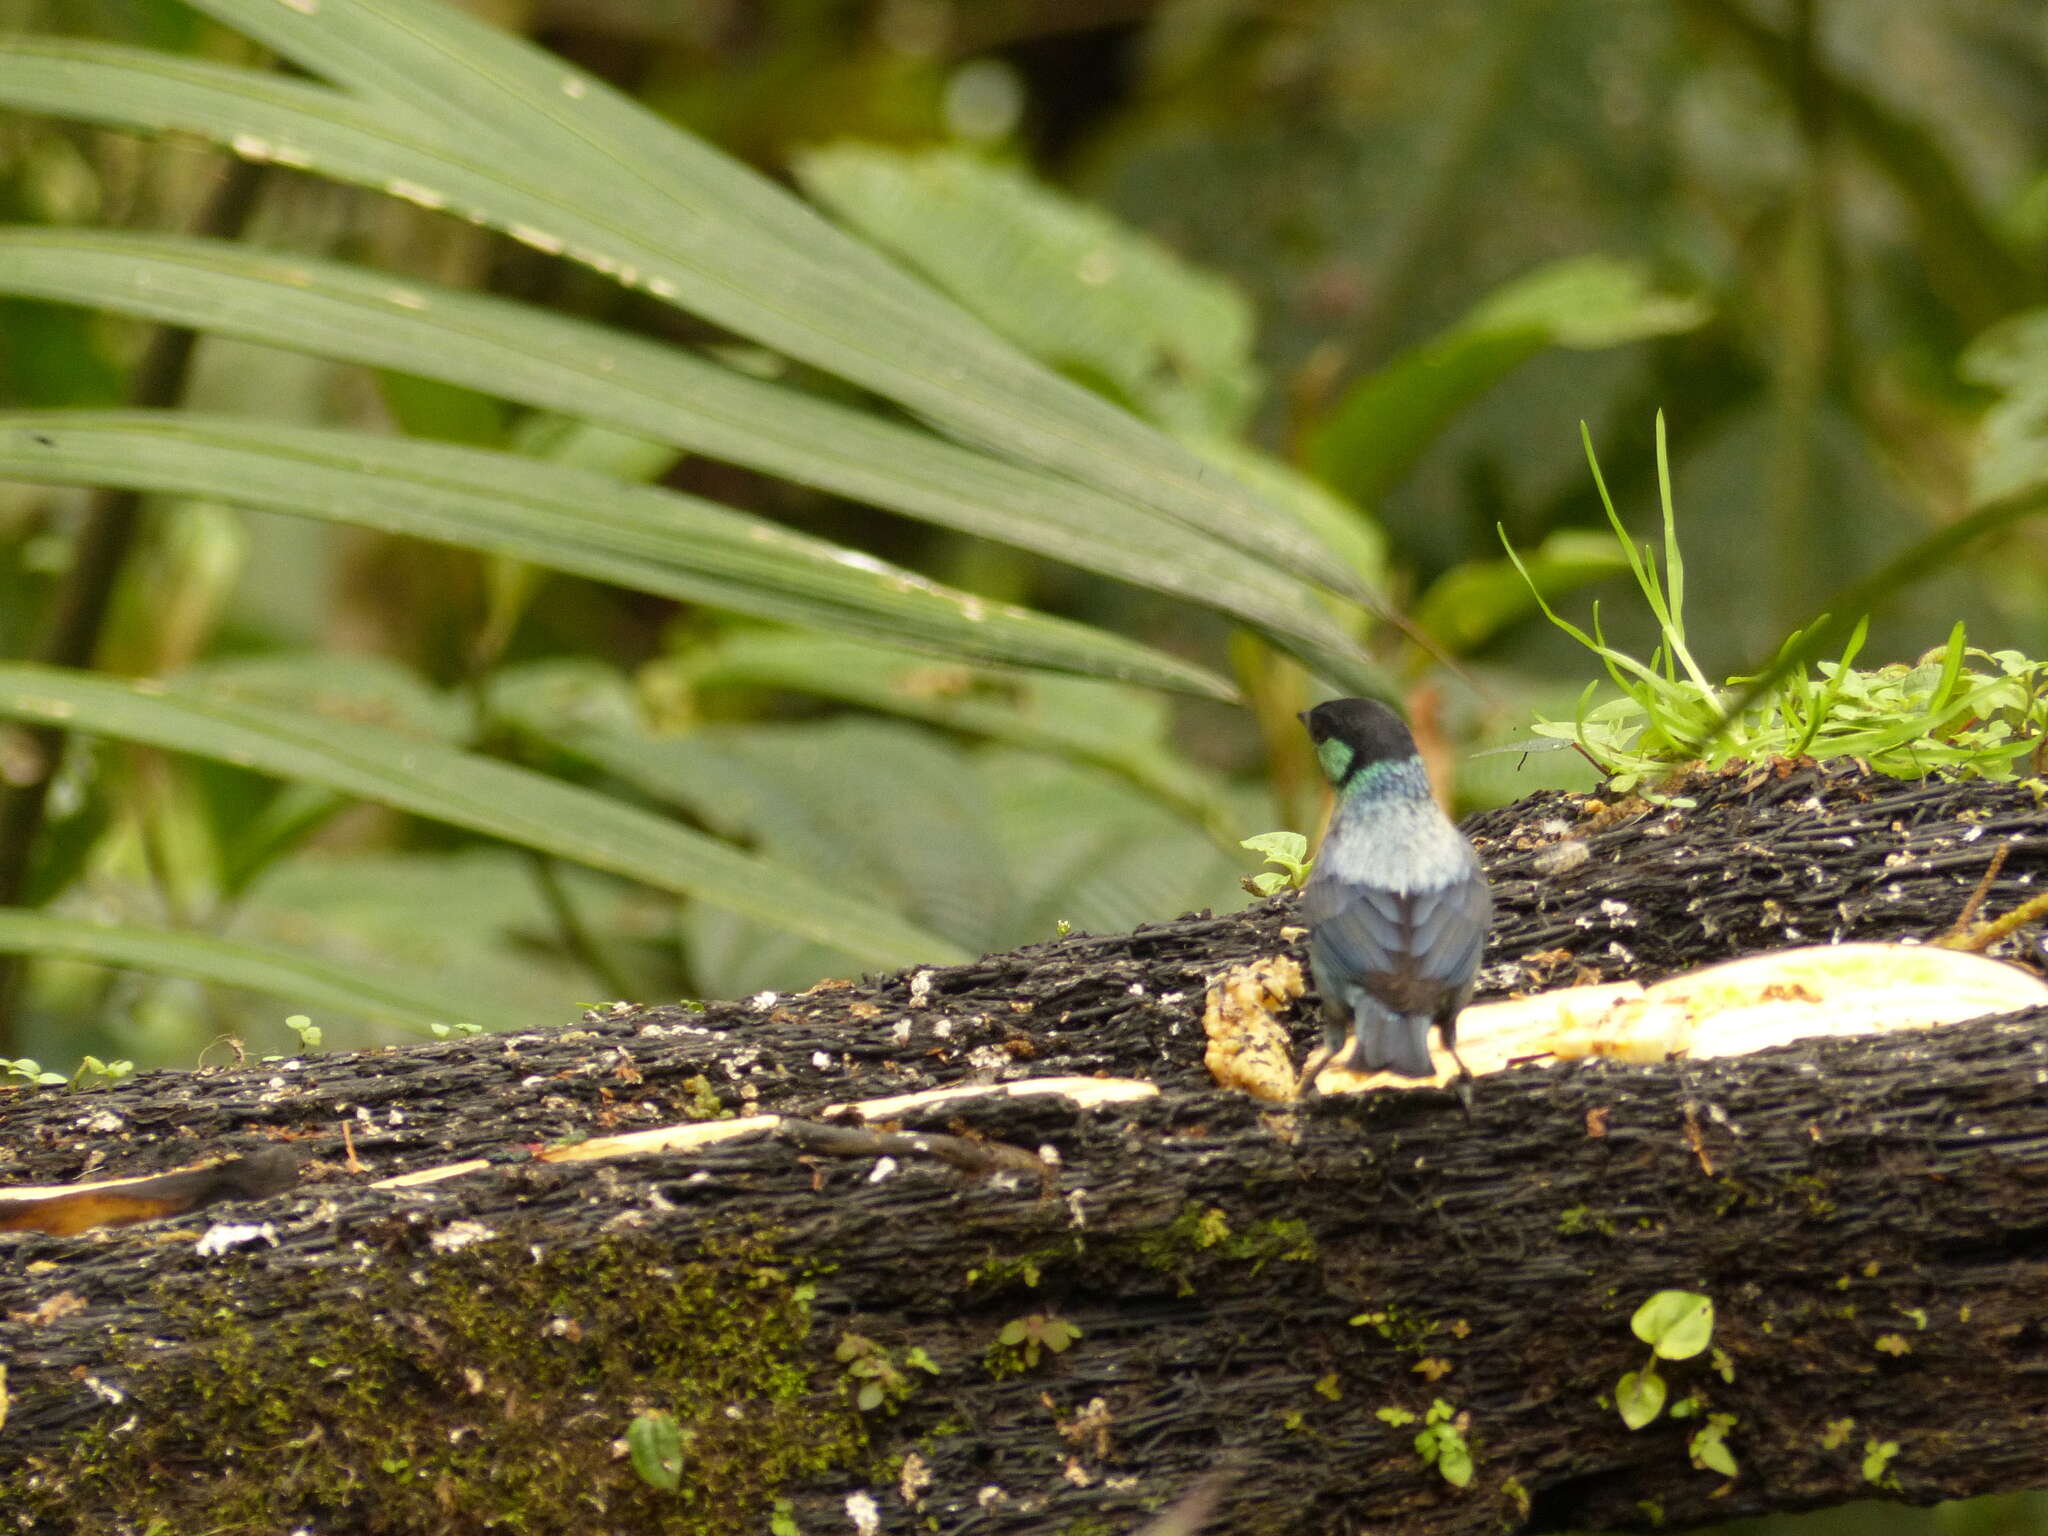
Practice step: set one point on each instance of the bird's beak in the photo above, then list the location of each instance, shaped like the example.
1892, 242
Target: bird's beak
1302, 717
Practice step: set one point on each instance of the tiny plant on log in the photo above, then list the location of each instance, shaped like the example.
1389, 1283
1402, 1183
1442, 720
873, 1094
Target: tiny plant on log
1016, 1347
1440, 1442
1289, 850
1677, 1325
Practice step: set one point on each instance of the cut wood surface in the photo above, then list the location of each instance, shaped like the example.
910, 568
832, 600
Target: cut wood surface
1068, 1314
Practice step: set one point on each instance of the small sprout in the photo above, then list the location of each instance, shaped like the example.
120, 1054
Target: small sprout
1513, 1488
452, 1031
1441, 1444
308, 1032
880, 1378
1398, 1417
1640, 1396
1689, 1407
1895, 1344
1062, 927
1433, 1369
1017, 1345
1675, 1324
1724, 1367
656, 1443
1877, 1461
1289, 850
28, 1070
94, 1073
1328, 1386
1709, 1445
782, 1520
1917, 1316
1836, 1435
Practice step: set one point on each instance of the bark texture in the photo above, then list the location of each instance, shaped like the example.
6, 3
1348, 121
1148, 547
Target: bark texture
1870, 1219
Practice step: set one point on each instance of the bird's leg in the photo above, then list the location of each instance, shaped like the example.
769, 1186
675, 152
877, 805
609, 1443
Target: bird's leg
1335, 1039
1462, 1084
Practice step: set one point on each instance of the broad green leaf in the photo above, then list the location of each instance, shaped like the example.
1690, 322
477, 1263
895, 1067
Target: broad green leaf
478, 122
1347, 528
1122, 729
442, 784
1381, 425
672, 396
308, 981
558, 516
1676, 1324
1067, 283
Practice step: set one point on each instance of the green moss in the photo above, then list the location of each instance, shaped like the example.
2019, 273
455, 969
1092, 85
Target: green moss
1583, 1221
1203, 1234
701, 1100
471, 1391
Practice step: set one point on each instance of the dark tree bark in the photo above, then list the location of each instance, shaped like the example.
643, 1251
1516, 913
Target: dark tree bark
1272, 1286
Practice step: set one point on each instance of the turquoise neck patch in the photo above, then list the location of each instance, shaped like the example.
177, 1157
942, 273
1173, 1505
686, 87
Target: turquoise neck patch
1335, 756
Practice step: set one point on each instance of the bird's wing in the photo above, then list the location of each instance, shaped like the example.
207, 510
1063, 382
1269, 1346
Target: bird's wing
1450, 926
1433, 935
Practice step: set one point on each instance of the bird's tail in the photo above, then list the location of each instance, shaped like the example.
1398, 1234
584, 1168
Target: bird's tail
1391, 1042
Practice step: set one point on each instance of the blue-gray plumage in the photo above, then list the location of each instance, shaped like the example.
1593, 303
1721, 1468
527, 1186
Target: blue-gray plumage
1397, 909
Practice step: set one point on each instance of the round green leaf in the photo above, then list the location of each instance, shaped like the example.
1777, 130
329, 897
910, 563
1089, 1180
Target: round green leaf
1676, 1324
1454, 1461
1640, 1397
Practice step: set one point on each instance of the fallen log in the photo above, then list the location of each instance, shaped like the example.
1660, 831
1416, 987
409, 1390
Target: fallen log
1023, 1312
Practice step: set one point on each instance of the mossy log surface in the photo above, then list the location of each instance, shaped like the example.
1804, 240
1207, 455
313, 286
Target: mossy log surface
1870, 1219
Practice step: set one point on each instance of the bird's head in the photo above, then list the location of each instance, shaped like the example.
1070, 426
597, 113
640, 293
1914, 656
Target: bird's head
1353, 734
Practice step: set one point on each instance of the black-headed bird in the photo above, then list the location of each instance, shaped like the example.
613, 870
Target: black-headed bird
1397, 909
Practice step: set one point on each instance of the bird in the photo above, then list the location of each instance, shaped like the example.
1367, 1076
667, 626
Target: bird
1397, 907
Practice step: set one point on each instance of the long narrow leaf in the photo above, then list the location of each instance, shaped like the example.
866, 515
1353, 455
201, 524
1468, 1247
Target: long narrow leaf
308, 981
632, 197
556, 515
666, 394
464, 790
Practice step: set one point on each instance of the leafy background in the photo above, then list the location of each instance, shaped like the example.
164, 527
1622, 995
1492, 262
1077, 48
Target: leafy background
682, 596
679, 594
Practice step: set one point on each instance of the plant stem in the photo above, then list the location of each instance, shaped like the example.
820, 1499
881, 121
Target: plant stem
78, 612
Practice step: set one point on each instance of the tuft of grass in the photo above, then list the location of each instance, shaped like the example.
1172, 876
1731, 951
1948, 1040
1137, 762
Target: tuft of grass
1958, 708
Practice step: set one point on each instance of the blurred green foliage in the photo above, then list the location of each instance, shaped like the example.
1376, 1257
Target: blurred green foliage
1371, 262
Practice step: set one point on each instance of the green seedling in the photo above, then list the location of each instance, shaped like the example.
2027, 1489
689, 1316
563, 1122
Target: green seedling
308, 1032
1017, 1346
91, 1072
1441, 1444
1677, 1325
1289, 850
881, 1376
454, 1031
27, 1071
1709, 1445
1958, 708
